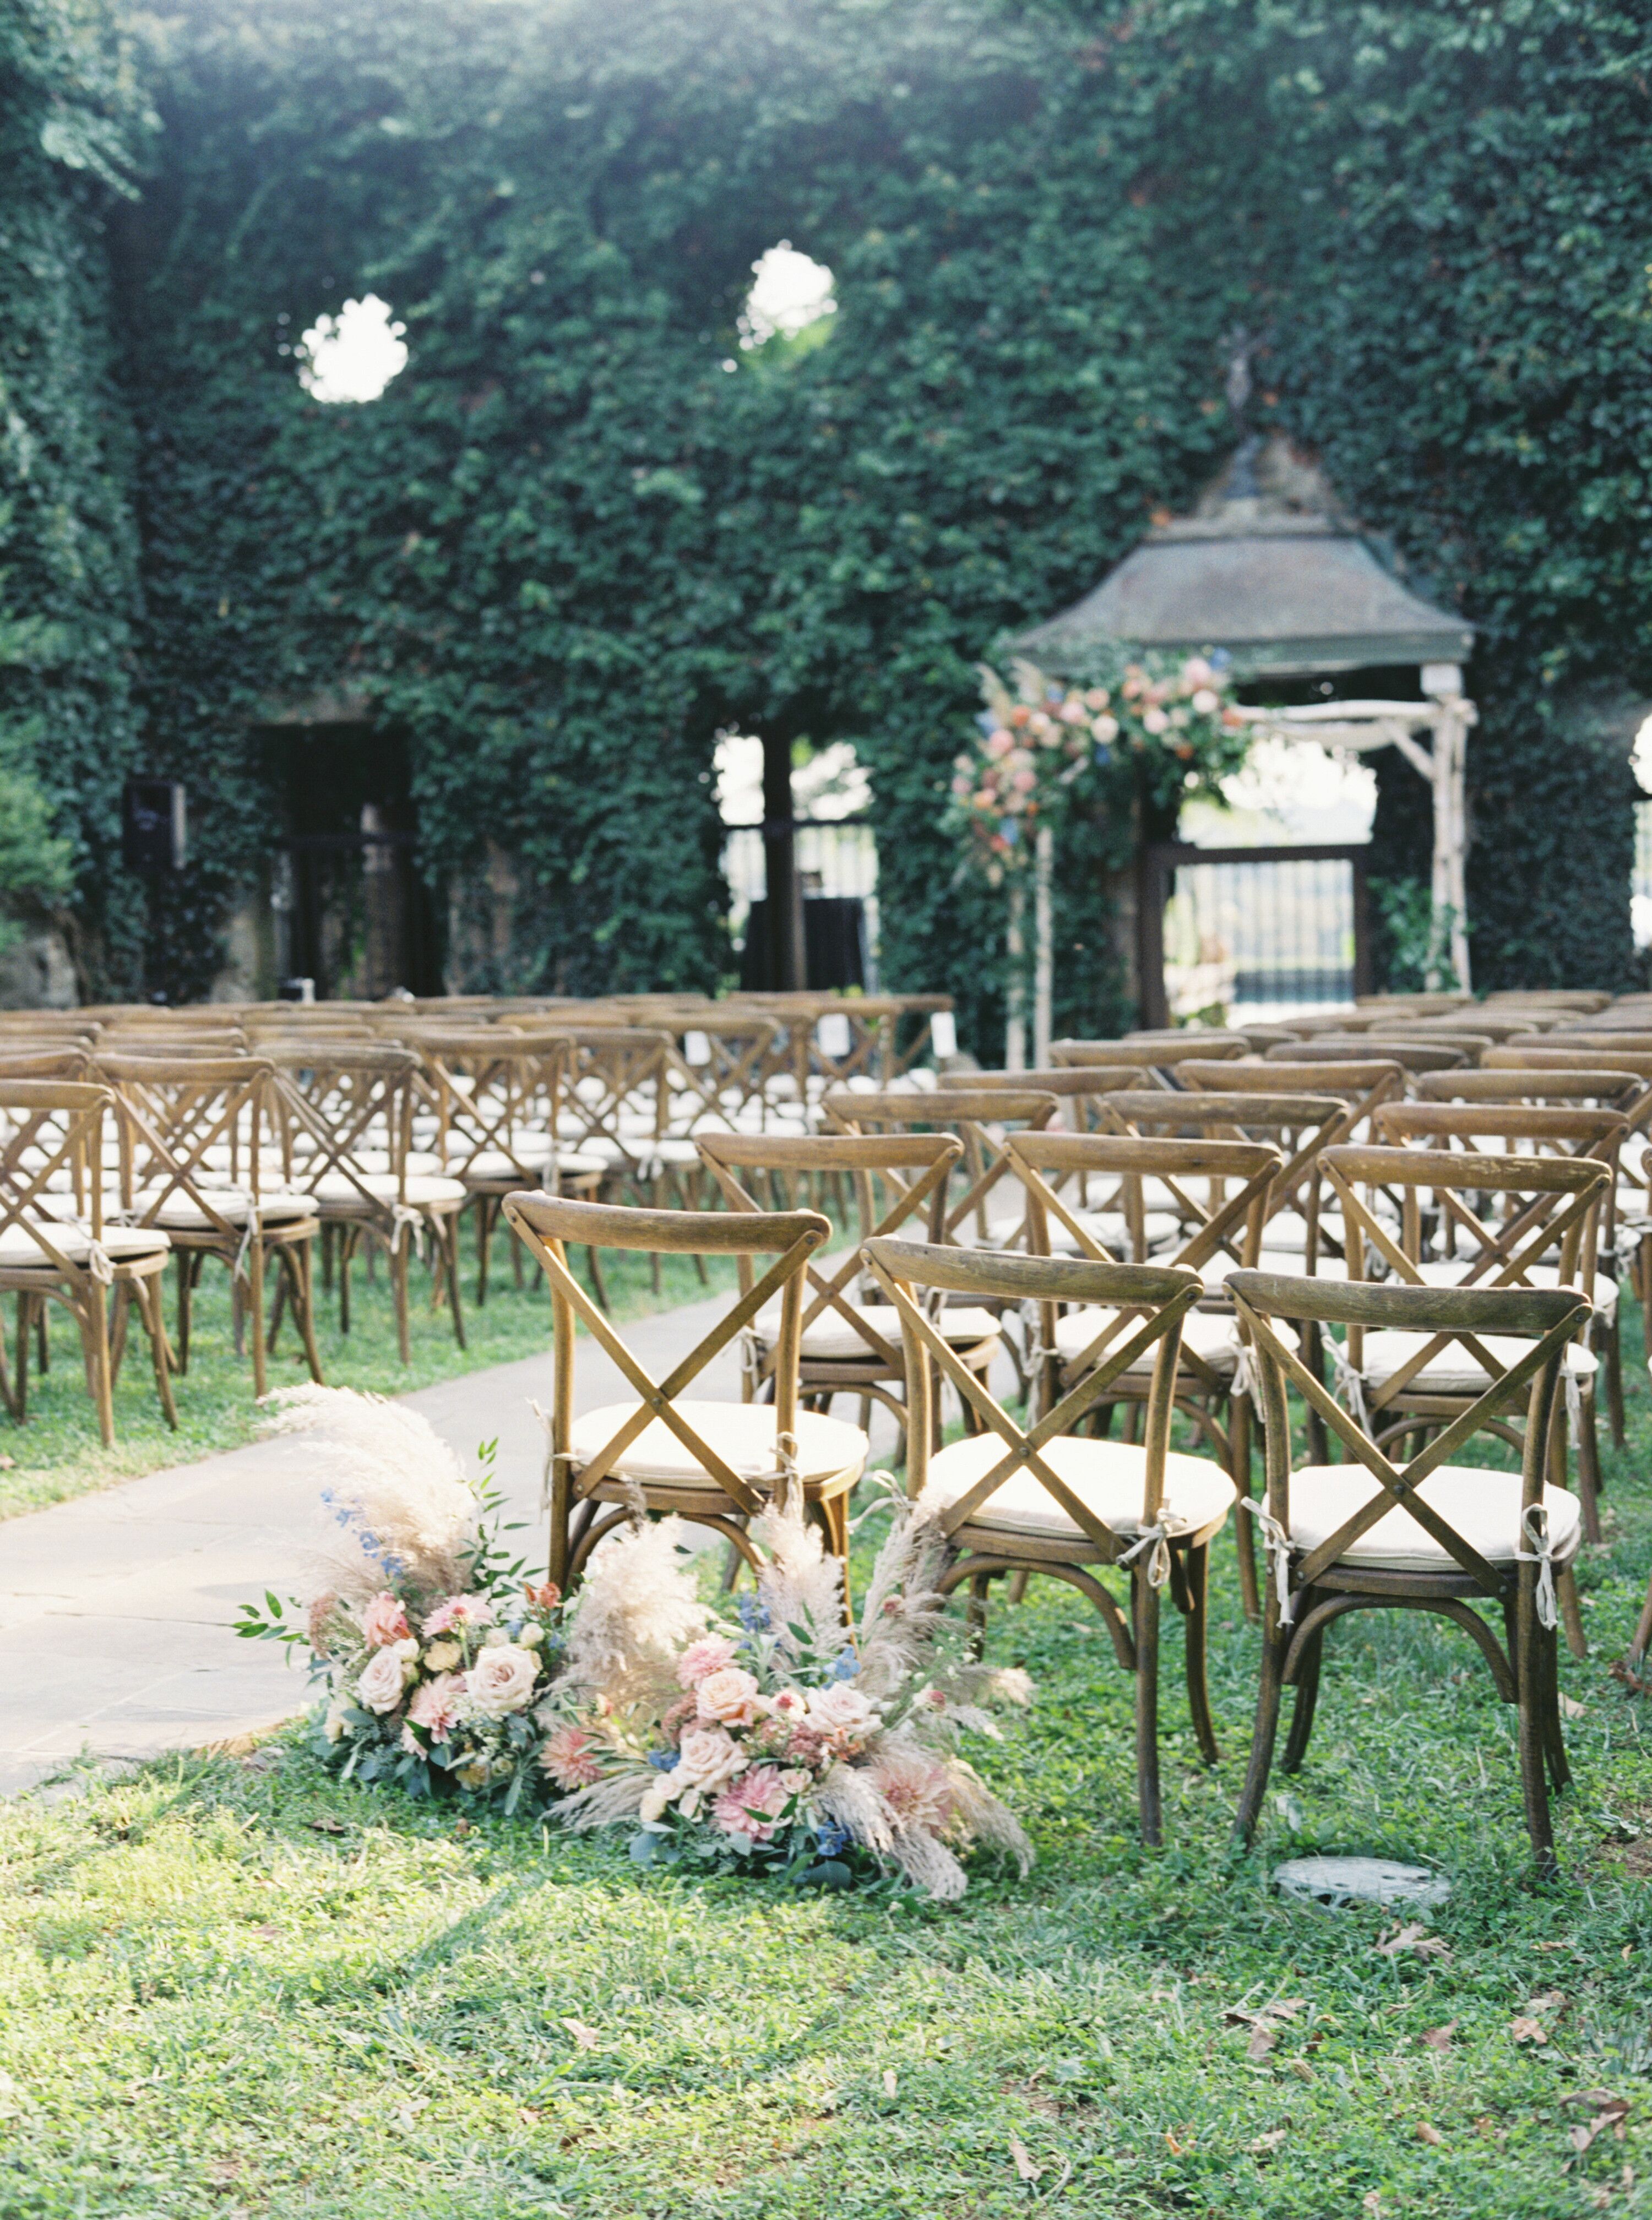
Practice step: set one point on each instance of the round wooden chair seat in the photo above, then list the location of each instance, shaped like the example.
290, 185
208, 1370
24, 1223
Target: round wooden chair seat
180, 1214
425, 1192
1105, 1476
1481, 1505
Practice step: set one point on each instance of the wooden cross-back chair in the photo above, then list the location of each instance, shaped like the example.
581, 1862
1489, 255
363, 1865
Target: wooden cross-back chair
1077, 1087
847, 1344
716, 1463
200, 1159
1220, 1233
344, 1114
1538, 1129
1549, 1206
1303, 1109
981, 1117
723, 1056
1434, 1534
492, 1094
56, 1246
1042, 1498
1412, 1056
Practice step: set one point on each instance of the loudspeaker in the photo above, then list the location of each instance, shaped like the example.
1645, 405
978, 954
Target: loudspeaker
154, 825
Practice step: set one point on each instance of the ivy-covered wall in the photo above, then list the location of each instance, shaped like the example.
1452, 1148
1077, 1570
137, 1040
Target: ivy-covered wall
569, 542
72, 125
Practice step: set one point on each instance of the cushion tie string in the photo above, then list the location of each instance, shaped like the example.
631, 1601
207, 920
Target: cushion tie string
1246, 1382
101, 1264
1573, 1401
1156, 1540
788, 1478
750, 1363
403, 1215
1534, 1524
1349, 1388
1277, 1543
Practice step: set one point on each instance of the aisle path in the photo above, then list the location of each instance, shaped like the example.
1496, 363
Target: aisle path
115, 1608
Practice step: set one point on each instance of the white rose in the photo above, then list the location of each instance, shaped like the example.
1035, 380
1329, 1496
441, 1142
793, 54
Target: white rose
379, 1688
707, 1757
501, 1680
531, 1635
408, 1650
841, 1714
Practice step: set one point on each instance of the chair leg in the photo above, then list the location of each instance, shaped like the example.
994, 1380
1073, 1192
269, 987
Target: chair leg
42, 1340
448, 1235
347, 1248
1588, 1464
1560, 1772
97, 1352
1244, 1541
278, 1308
485, 1206
1196, 1573
1145, 1599
1270, 1693
185, 1289
255, 1261
302, 1259
979, 1587
1307, 1698
21, 1408
399, 1287
1571, 1613
1530, 1696
154, 1313
1614, 1371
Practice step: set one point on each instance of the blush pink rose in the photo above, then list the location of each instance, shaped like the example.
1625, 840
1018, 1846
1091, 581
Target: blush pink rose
729, 1696
435, 1706
709, 1655
501, 1680
707, 1757
753, 1804
841, 1717
383, 1621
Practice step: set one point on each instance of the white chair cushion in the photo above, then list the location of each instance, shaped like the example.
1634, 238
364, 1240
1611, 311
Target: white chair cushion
73, 1241
743, 1434
1445, 1273
1482, 1506
1106, 1477
831, 1335
183, 1214
422, 1193
1453, 1371
1211, 1335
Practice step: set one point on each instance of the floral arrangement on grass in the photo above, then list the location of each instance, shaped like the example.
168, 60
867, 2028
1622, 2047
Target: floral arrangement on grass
780, 1741
1041, 744
433, 1646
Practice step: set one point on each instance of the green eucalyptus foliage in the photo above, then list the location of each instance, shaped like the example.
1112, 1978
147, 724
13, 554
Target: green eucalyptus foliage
585, 528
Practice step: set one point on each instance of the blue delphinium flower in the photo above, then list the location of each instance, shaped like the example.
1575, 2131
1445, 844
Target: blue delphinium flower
831, 1839
662, 1760
754, 1616
847, 1666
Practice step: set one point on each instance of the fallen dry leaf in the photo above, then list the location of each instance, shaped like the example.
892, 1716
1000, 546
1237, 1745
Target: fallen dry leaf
890, 2085
1178, 2148
526, 2116
1265, 2024
1439, 2038
1261, 2144
271, 1933
7, 1464
1609, 2112
326, 1825
1427, 2133
1571, 1707
1373, 2205
1527, 2030
1023, 2158
586, 2037
1413, 1937
1550, 2001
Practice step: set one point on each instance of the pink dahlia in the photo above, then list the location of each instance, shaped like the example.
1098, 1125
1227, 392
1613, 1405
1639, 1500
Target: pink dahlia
752, 1805
568, 1758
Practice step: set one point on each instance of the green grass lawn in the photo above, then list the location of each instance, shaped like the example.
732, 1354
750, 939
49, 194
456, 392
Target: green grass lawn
57, 1453
234, 1988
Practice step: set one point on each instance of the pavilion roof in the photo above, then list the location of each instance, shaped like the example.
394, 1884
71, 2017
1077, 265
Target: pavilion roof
1270, 568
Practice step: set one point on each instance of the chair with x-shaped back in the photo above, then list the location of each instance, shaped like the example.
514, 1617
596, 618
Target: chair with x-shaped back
982, 1118
1016, 1500
1489, 1219
1436, 1536
716, 1463
850, 1345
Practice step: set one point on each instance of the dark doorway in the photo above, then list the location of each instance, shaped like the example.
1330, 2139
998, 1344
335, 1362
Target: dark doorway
353, 912
1273, 928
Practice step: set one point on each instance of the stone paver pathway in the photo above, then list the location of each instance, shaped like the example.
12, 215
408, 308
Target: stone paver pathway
116, 1609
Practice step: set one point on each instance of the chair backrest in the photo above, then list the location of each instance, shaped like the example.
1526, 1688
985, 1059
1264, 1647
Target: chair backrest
188, 1127
1602, 1084
616, 1093
981, 1117
1548, 1316
340, 1107
51, 1169
1157, 1299
64, 1060
912, 1171
1046, 1164
1077, 1087
1302, 1123
1334, 1048
492, 1093
547, 1224
1548, 1202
